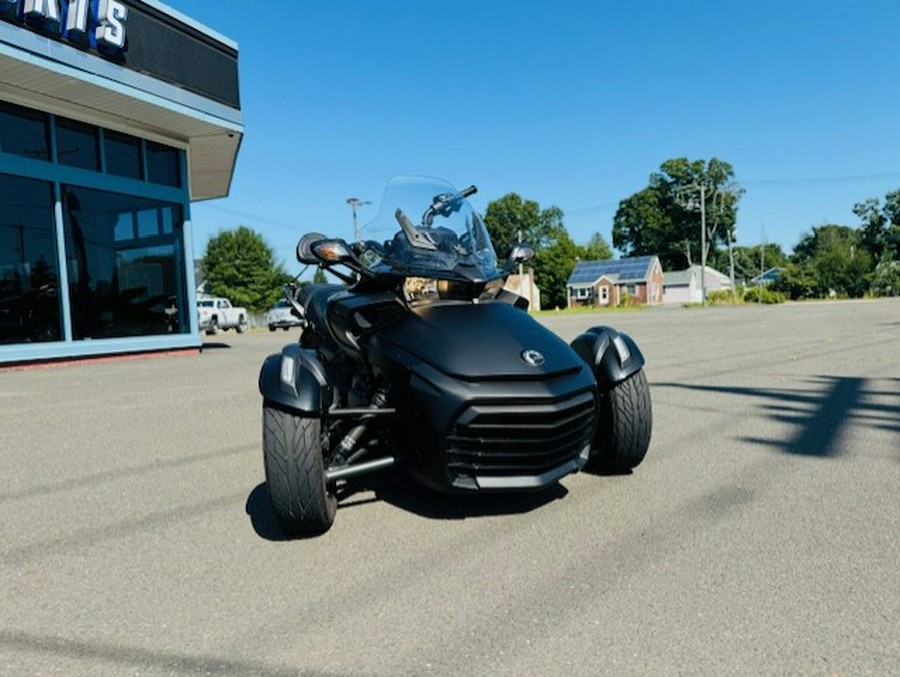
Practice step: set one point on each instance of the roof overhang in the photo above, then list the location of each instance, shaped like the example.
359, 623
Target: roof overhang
41, 73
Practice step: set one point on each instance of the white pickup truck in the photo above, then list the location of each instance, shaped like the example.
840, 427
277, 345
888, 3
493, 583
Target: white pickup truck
217, 313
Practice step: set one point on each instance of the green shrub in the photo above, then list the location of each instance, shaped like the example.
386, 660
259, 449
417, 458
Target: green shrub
762, 294
722, 296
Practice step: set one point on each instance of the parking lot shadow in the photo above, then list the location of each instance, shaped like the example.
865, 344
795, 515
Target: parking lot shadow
214, 345
259, 508
818, 415
400, 491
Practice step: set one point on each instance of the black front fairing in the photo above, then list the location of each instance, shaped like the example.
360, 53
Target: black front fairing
480, 341
472, 413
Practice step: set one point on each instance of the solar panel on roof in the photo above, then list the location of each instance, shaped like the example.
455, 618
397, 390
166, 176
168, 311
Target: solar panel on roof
626, 269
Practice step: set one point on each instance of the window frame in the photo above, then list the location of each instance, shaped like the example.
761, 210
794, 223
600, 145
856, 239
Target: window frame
59, 174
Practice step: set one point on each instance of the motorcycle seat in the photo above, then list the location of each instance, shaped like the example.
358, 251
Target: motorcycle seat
316, 303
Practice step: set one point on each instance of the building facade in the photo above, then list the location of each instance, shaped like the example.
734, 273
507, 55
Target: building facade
684, 286
114, 116
637, 280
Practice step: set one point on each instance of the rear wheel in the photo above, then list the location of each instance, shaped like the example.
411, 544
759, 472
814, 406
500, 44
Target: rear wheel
295, 473
624, 426
241, 325
213, 327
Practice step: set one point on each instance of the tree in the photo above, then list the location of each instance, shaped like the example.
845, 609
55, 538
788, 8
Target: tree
553, 264
664, 218
886, 278
880, 230
510, 215
319, 276
747, 260
596, 249
797, 281
239, 265
836, 261
543, 229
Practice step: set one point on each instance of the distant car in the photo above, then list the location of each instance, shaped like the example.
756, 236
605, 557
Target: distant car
280, 315
217, 313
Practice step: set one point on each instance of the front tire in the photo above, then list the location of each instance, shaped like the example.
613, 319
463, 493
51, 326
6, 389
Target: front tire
295, 473
624, 426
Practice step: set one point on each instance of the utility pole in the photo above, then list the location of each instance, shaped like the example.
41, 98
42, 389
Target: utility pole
690, 204
703, 243
731, 264
356, 203
762, 268
520, 242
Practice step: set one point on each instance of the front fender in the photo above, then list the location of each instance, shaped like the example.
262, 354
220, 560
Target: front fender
295, 379
613, 355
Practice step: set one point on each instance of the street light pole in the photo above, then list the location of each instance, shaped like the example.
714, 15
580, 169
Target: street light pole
355, 203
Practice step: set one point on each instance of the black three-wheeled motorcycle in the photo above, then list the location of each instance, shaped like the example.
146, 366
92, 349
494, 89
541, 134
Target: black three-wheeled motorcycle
422, 359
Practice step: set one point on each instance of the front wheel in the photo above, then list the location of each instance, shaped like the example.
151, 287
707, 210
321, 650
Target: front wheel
295, 473
624, 426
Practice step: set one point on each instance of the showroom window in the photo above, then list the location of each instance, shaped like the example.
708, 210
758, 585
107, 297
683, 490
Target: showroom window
77, 145
124, 257
123, 155
92, 234
24, 132
29, 274
163, 166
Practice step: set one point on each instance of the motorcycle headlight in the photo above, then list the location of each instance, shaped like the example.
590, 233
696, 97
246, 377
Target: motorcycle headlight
418, 290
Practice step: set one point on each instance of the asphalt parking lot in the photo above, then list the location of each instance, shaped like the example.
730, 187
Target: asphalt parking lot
761, 535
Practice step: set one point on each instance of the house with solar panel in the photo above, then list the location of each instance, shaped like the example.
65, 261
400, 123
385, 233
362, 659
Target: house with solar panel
636, 280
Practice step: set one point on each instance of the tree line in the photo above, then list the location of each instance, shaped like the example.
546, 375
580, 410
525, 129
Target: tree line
828, 260
665, 219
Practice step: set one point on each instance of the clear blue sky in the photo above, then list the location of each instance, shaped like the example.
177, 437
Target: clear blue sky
571, 104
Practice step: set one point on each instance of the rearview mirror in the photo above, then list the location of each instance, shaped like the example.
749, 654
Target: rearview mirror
520, 253
305, 253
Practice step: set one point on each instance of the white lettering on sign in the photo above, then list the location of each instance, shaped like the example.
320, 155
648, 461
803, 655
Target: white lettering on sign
111, 15
77, 16
106, 29
47, 9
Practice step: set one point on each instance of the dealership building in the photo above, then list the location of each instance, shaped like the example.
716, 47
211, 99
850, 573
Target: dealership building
114, 116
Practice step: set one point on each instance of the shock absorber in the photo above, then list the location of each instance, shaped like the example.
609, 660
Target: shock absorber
348, 445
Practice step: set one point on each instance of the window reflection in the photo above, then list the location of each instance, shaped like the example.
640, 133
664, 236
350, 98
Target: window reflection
77, 144
124, 273
123, 155
162, 165
23, 132
29, 275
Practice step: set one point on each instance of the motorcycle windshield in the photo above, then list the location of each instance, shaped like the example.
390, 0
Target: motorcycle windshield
432, 231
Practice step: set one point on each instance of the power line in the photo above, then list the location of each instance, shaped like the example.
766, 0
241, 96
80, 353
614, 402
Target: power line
785, 181
821, 179
269, 222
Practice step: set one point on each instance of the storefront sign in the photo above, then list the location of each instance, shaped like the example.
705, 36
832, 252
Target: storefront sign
95, 23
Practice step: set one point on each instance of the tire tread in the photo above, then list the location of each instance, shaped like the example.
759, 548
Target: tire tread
295, 473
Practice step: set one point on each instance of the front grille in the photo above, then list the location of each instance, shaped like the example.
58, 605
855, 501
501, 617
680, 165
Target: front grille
521, 438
